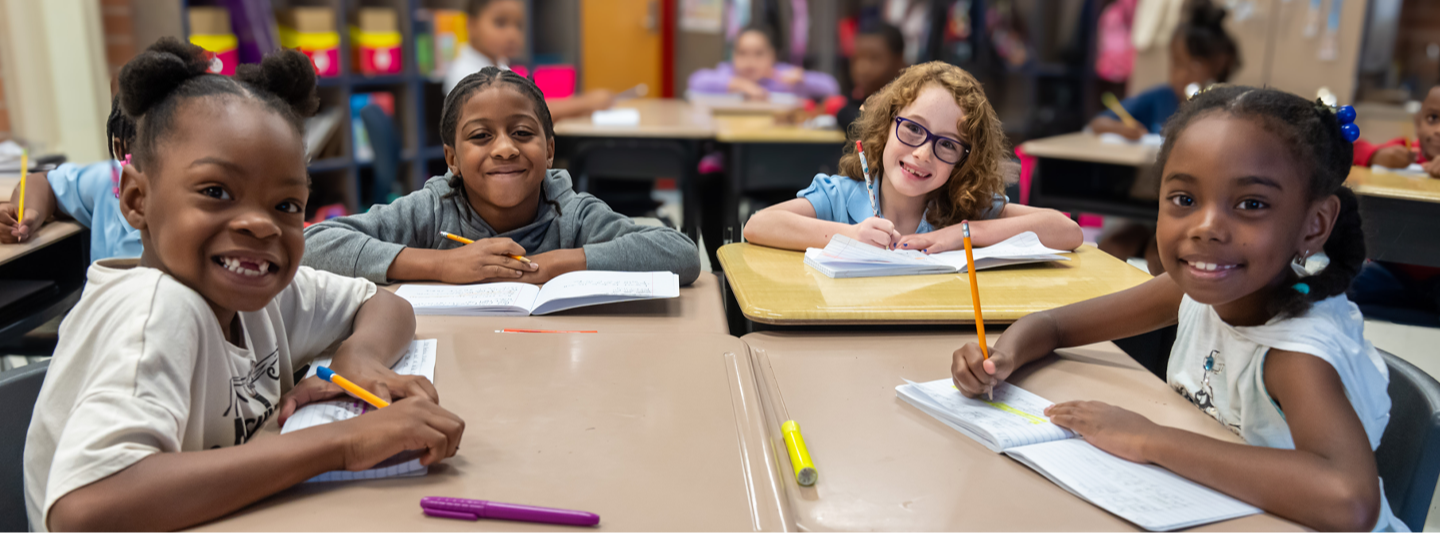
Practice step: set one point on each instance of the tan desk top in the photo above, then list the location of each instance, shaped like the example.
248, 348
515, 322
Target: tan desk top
1390, 185
650, 432
885, 465
1086, 147
774, 286
699, 309
48, 234
762, 129
660, 118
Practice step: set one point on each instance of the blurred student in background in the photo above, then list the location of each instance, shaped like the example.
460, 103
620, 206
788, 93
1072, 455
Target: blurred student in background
754, 72
497, 34
879, 58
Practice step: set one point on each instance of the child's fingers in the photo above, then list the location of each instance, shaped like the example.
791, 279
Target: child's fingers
381, 390
516, 264
417, 386
496, 271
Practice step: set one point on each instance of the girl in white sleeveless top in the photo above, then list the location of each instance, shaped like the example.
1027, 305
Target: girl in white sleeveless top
1251, 186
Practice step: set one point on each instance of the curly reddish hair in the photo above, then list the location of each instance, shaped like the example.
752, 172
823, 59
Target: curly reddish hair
976, 180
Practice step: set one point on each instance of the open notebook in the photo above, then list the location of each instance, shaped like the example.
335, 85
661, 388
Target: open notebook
566, 291
848, 258
419, 360
1412, 171
1014, 423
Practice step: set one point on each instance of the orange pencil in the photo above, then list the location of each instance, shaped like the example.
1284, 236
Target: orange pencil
975, 293
463, 240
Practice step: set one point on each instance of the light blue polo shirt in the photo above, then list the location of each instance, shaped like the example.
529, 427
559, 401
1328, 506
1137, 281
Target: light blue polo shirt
87, 194
842, 199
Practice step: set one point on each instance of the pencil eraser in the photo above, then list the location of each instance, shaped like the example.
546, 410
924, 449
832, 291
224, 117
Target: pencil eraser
324, 372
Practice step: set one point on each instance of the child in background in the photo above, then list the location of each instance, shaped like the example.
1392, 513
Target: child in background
497, 33
1201, 52
754, 73
879, 58
1252, 184
936, 148
501, 193
89, 194
169, 364
1402, 151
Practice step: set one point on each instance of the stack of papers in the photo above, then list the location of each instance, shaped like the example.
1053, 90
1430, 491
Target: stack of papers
1153, 140
1015, 424
566, 291
847, 258
1412, 171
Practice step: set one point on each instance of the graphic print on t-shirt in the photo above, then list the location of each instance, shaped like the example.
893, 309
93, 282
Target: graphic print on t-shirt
1204, 397
249, 406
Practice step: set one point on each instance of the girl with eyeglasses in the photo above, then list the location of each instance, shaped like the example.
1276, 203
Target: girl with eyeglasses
935, 150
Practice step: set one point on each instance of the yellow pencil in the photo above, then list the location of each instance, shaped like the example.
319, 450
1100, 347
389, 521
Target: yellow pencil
1114, 104
805, 473
24, 173
463, 240
975, 293
329, 375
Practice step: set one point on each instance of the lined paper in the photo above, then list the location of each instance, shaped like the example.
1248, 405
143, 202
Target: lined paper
1008, 421
1147, 495
419, 360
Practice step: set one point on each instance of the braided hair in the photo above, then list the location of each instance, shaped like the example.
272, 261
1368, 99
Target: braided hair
119, 130
1311, 132
468, 86
155, 84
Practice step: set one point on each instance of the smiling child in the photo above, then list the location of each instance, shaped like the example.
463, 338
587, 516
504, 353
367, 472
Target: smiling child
1252, 184
169, 364
502, 194
935, 149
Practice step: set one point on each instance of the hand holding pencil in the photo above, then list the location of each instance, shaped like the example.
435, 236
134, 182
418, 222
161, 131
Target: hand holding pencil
493, 259
975, 369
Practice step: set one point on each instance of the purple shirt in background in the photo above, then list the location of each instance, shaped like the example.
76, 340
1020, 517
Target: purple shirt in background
812, 85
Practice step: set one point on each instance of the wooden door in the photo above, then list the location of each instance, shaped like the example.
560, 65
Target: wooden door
620, 44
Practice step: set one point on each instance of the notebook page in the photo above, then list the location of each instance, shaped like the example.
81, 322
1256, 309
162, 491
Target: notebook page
1149, 496
499, 299
843, 249
419, 360
1025, 245
1015, 417
592, 287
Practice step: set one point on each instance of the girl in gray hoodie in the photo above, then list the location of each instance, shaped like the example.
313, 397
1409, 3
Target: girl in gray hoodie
502, 194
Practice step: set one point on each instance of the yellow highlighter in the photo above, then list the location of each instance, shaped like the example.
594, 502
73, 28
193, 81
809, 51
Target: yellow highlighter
805, 473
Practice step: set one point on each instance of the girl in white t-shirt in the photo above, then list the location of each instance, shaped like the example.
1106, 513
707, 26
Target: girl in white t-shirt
1251, 186
169, 363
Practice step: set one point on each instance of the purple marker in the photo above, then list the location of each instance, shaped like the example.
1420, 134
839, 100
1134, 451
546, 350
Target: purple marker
465, 509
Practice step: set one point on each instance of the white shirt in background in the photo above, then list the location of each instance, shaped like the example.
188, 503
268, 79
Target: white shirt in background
143, 367
467, 62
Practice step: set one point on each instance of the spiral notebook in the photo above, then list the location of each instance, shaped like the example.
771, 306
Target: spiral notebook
1014, 423
419, 360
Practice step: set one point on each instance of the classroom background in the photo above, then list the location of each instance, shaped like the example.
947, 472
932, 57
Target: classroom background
703, 165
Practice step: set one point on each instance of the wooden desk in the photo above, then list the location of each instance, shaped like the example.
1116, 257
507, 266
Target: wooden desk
666, 143
659, 118
1078, 173
885, 465
49, 234
698, 310
58, 253
1399, 215
774, 286
763, 129
650, 432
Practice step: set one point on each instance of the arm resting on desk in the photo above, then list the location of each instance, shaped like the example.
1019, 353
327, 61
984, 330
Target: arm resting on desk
1054, 229
792, 225
1104, 124
39, 205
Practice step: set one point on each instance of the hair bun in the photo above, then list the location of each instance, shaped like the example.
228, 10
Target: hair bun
288, 75
1206, 14
154, 74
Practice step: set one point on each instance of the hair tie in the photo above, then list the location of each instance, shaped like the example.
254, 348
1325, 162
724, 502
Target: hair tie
1301, 288
1325, 101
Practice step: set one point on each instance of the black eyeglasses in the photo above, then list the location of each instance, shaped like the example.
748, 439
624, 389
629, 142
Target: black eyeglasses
914, 135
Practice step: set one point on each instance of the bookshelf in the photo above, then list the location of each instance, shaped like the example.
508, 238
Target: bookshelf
336, 174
